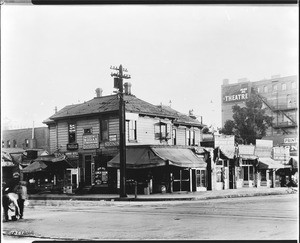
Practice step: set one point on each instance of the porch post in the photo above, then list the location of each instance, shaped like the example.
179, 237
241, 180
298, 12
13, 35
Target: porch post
191, 180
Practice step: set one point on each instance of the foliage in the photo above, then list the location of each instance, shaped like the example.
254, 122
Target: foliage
249, 123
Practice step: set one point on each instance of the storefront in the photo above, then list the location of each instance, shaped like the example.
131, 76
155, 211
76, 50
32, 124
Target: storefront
52, 174
163, 168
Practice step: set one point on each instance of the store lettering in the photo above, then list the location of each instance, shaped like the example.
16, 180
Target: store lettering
236, 97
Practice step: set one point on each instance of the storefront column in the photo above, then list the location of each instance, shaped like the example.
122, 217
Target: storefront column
258, 177
273, 179
268, 178
191, 180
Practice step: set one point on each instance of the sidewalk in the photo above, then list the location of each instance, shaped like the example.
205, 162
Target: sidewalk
204, 195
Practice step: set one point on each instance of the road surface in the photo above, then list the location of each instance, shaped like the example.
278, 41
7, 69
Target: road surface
248, 218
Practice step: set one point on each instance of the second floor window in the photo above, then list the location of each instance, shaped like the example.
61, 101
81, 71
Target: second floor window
8, 143
188, 137
266, 89
162, 131
104, 130
174, 136
14, 143
131, 130
2, 144
283, 86
72, 133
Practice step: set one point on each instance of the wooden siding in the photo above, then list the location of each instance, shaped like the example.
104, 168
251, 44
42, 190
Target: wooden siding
52, 133
113, 127
180, 135
145, 130
62, 136
82, 124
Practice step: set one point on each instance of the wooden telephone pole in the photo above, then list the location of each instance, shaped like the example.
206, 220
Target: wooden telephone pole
118, 83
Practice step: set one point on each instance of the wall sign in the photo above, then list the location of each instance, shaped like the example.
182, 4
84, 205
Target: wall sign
90, 141
235, 93
72, 146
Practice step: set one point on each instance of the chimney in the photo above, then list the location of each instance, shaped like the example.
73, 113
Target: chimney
127, 86
99, 92
55, 109
191, 114
225, 81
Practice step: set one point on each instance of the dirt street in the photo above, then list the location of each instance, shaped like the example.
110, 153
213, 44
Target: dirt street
251, 218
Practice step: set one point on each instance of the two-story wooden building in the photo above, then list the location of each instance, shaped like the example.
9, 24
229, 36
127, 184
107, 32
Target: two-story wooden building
88, 134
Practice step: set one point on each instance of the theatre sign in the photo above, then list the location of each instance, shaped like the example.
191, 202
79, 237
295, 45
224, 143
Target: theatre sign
235, 93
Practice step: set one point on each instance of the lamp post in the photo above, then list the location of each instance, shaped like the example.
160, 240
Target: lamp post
118, 83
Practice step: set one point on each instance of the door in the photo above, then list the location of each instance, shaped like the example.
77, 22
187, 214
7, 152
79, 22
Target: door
88, 170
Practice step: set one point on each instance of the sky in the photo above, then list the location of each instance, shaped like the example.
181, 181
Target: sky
178, 55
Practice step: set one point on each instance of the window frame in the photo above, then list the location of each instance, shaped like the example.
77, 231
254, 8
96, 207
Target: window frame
160, 128
104, 130
72, 138
131, 130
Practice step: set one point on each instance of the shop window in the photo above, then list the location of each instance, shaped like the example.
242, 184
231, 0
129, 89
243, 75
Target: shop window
246, 173
283, 86
131, 130
8, 143
203, 178
26, 143
219, 174
263, 176
72, 132
87, 130
104, 130
174, 136
162, 131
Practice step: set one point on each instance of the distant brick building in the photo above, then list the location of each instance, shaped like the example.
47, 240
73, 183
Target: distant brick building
28, 138
280, 98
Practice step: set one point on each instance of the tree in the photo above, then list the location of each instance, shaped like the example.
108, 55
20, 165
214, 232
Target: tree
250, 122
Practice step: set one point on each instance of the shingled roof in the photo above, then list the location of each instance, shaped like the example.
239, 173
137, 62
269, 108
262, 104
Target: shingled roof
107, 104
181, 118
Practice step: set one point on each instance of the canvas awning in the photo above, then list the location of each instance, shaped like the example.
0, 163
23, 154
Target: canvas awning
147, 157
181, 157
268, 163
137, 158
35, 166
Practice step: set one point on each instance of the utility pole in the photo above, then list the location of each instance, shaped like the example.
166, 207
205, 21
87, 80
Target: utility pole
118, 83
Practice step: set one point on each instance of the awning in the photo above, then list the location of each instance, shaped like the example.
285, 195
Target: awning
35, 166
138, 158
228, 152
148, 157
181, 157
294, 162
268, 163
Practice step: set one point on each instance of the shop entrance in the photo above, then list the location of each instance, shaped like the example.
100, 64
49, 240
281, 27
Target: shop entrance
88, 170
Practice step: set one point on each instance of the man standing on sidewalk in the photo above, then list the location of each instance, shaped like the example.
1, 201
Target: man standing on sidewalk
21, 190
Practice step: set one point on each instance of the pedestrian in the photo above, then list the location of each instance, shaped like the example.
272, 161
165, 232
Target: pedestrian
21, 190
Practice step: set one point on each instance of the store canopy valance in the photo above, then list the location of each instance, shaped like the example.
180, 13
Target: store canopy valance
228, 152
268, 163
147, 157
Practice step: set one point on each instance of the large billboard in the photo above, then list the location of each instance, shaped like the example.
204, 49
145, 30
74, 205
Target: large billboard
235, 93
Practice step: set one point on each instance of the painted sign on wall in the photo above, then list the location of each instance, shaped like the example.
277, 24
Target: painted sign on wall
235, 93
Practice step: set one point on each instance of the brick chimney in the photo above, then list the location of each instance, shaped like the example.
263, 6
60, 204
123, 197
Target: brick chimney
127, 86
99, 92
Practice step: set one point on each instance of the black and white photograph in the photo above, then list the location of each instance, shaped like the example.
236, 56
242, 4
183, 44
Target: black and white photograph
149, 122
